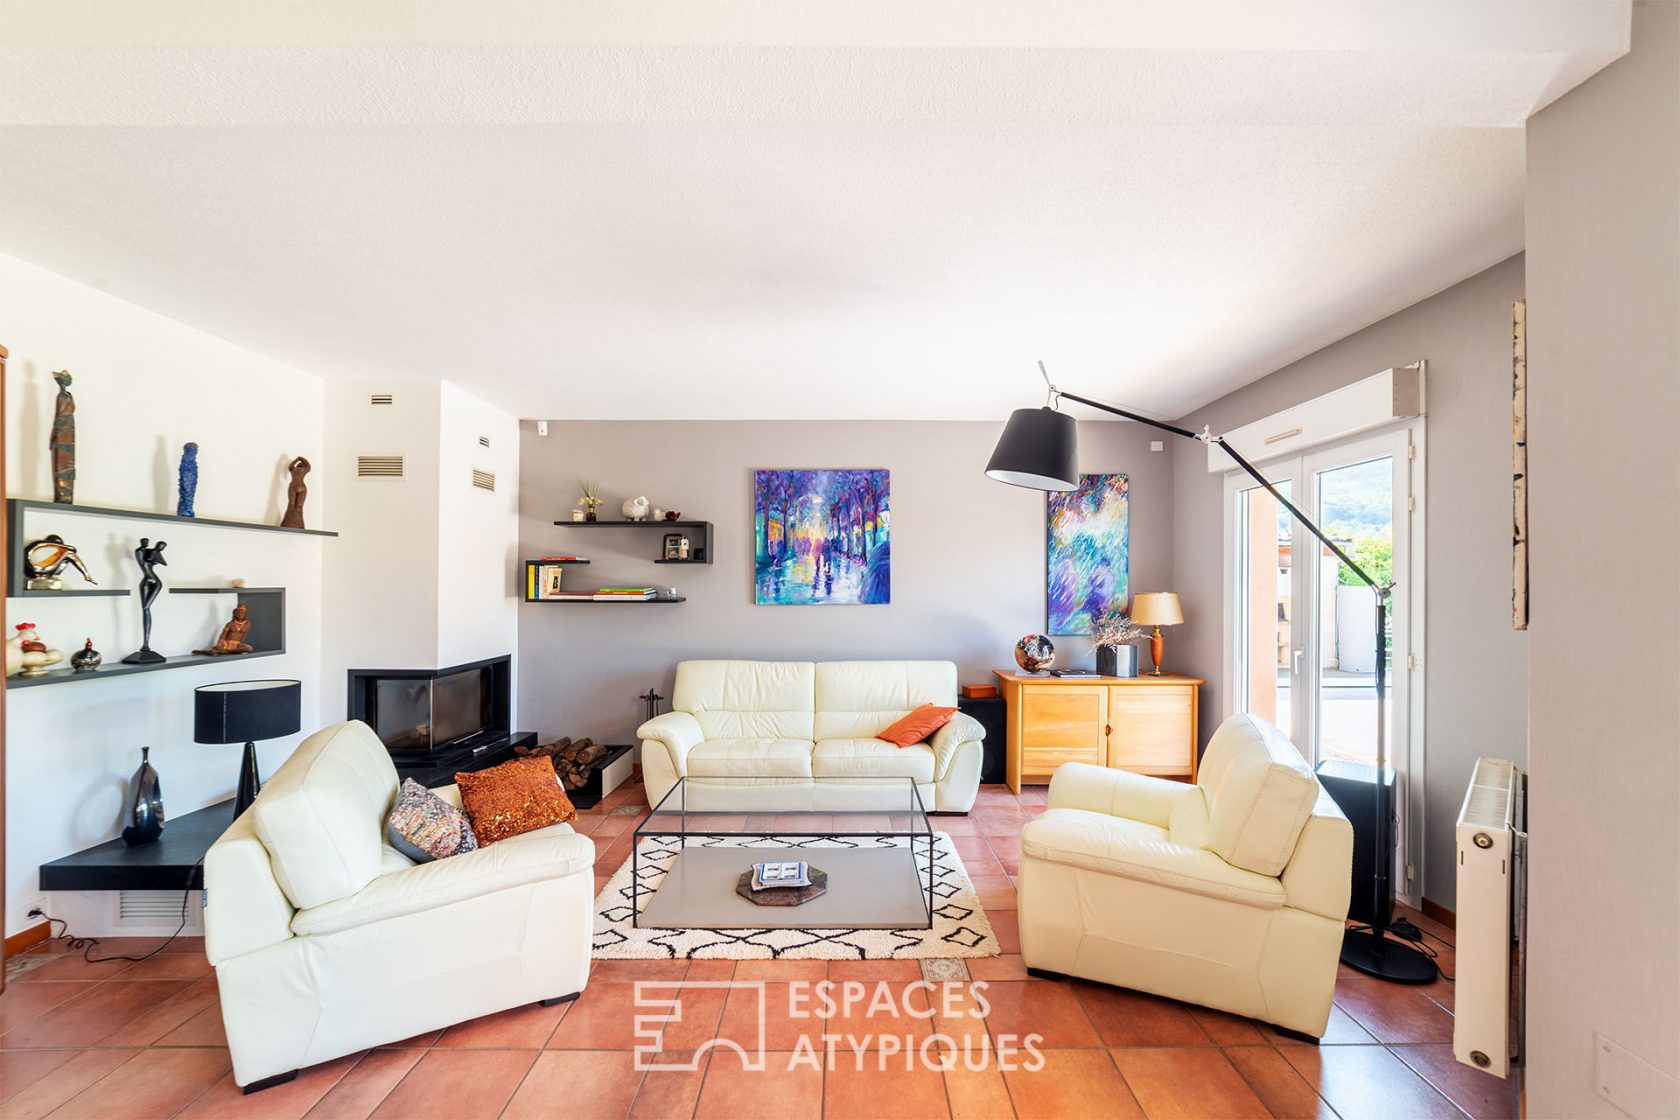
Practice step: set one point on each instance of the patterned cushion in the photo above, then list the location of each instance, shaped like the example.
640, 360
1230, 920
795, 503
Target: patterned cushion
515, 797
424, 827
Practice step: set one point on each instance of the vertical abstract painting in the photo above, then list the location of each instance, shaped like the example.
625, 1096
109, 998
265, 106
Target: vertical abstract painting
822, 536
1087, 558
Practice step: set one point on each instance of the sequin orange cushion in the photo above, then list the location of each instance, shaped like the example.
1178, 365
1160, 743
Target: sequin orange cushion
515, 797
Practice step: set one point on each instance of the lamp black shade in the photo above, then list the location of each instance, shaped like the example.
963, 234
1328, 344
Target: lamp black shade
245, 711
1039, 449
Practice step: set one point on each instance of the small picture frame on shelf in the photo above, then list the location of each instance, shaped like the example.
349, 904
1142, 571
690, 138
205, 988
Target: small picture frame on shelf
551, 574
676, 546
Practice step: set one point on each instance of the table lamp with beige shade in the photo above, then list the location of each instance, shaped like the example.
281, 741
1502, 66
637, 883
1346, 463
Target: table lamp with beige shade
1157, 609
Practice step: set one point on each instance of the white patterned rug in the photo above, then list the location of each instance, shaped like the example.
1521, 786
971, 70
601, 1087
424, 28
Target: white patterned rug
960, 928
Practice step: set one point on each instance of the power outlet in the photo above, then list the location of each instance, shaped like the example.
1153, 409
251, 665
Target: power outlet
37, 908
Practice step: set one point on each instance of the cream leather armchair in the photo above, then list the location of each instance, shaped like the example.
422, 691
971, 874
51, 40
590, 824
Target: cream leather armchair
1230, 893
327, 940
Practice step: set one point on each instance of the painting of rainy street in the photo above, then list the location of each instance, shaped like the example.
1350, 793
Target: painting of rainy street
822, 536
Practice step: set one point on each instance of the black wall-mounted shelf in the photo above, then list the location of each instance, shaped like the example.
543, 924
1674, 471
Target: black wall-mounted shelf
67, 593
609, 602
700, 551
115, 668
225, 591
15, 508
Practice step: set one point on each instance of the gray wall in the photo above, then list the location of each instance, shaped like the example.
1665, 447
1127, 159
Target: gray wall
968, 554
1604, 412
1475, 666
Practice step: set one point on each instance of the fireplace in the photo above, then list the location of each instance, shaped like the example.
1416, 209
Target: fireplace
427, 716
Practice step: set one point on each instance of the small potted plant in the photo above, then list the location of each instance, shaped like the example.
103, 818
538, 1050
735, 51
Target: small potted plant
1113, 636
591, 498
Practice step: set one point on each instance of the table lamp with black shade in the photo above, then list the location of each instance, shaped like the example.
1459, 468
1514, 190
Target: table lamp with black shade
1039, 449
244, 712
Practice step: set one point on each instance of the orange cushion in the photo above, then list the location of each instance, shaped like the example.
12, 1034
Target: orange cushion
918, 725
519, 796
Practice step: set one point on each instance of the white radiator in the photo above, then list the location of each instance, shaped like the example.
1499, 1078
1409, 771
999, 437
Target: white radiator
1491, 903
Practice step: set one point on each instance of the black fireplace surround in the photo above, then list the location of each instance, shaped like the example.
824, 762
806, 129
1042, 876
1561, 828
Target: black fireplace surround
436, 717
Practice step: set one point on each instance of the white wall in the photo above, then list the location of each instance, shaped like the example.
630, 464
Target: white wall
144, 385
424, 577
1604, 530
478, 531
382, 578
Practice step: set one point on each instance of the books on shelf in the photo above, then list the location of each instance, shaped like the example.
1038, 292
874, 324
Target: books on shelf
782, 873
567, 558
542, 581
611, 594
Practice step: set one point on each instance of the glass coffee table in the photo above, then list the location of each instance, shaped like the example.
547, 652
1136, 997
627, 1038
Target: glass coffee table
870, 835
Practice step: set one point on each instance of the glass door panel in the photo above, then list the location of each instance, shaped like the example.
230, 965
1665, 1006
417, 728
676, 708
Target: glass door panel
1355, 508
1265, 614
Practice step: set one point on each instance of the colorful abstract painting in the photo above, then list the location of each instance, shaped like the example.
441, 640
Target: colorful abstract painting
822, 536
1087, 553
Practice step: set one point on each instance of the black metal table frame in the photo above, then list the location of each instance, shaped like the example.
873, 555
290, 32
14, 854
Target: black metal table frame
682, 833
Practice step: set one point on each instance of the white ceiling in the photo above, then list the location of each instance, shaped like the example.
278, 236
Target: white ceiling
755, 209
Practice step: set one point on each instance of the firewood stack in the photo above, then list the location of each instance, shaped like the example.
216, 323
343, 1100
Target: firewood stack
573, 761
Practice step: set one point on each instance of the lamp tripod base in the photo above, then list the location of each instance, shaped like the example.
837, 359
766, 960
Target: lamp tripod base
250, 784
1376, 954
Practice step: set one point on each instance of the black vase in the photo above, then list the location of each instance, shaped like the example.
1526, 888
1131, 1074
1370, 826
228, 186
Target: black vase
1117, 661
145, 809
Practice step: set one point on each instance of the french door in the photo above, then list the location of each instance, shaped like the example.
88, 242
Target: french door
1302, 642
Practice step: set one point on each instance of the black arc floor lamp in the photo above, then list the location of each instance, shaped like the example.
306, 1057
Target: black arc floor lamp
1039, 450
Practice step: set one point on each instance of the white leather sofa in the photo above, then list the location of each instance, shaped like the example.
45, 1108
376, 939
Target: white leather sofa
327, 940
798, 730
1230, 893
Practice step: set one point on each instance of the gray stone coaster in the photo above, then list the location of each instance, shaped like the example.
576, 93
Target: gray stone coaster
782, 896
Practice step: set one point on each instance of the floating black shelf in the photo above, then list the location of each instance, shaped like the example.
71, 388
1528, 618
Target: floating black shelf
225, 591
630, 524
701, 550
100, 593
618, 602
118, 669
16, 506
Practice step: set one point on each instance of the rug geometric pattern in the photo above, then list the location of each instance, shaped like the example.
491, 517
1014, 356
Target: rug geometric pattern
960, 928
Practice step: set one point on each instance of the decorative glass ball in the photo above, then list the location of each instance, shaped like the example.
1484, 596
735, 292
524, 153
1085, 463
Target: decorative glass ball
1034, 653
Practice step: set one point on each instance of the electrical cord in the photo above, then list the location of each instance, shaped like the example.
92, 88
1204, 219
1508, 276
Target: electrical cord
88, 944
1404, 932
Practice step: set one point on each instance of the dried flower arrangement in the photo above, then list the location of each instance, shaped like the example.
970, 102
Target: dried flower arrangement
1116, 629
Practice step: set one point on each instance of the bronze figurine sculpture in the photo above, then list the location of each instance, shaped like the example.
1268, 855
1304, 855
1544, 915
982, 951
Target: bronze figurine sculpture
149, 556
233, 635
295, 494
63, 445
45, 557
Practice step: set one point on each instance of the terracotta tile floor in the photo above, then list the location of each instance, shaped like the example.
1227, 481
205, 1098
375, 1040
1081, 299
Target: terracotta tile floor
145, 1040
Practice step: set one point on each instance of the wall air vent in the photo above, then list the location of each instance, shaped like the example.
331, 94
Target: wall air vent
484, 480
484, 441
381, 398
379, 466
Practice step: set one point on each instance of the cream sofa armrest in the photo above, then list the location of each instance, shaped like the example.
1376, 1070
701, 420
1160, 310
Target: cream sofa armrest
1316, 878
1118, 793
549, 853
959, 729
677, 732
244, 908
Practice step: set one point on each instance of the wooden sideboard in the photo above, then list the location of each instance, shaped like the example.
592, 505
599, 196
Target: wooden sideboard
1145, 724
